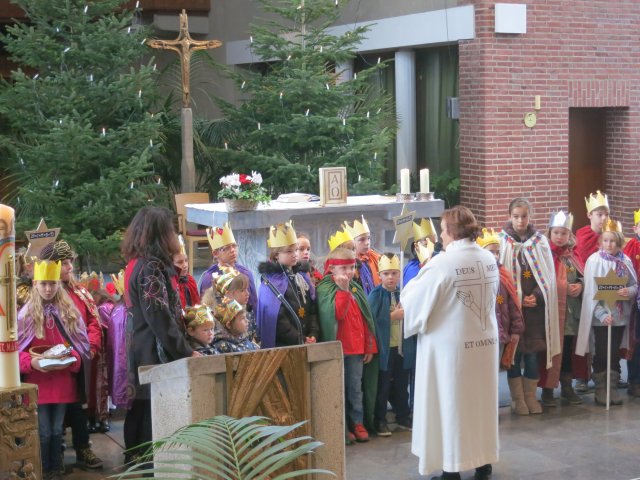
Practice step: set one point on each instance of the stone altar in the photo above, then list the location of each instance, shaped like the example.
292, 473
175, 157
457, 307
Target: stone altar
193, 389
251, 228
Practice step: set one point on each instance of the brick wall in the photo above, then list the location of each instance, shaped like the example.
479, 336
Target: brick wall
574, 54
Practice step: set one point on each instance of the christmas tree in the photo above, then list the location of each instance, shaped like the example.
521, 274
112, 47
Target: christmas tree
297, 115
78, 130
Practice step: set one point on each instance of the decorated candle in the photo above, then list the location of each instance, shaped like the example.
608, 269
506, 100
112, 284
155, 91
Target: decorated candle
405, 181
424, 180
9, 358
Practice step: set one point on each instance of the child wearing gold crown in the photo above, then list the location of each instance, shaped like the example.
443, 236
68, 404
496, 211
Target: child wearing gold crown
367, 265
184, 283
596, 315
200, 325
632, 250
588, 237
424, 246
345, 315
397, 355
509, 317
526, 255
234, 285
286, 300
225, 254
49, 318
231, 335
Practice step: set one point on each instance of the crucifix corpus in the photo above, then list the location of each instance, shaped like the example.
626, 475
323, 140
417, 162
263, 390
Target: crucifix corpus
183, 46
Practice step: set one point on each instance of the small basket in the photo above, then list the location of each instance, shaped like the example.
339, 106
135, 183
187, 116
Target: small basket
240, 205
39, 352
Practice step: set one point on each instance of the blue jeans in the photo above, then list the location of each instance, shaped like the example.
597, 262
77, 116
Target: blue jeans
50, 427
530, 361
353, 365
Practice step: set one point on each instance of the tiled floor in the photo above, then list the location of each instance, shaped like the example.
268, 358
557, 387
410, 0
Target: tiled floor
581, 442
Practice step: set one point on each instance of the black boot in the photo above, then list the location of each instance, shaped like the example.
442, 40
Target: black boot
483, 472
448, 476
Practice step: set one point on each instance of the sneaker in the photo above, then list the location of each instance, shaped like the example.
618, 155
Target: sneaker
404, 424
85, 458
382, 430
581, 386
360, 433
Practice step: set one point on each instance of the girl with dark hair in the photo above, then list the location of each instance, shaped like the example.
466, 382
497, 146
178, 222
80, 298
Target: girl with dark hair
155, 332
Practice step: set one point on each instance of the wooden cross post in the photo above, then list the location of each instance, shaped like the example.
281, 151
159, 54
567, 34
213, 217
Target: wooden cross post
183, 46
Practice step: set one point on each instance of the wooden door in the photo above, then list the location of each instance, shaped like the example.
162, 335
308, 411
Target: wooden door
587, 157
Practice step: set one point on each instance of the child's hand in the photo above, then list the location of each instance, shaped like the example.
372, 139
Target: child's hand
574, 290
342, 281
196, 354
397, 314
608, 320
367, 358
623, 292
310, 340
529, 301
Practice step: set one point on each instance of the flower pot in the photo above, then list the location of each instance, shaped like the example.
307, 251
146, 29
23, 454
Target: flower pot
240, 205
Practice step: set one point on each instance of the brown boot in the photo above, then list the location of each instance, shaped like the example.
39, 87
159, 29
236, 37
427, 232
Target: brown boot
547, 398
615, 398
600, 379
518, 406
566, 390
530, 386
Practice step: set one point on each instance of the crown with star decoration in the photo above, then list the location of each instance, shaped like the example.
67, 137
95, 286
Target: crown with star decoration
423, 229
282, 235
488, 237
47, 270
596, 200
386, 263
561, 219
219, 237
338, 238
358, 228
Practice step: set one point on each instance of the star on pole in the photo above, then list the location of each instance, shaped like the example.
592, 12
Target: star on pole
608, 287
40, 238
404, 227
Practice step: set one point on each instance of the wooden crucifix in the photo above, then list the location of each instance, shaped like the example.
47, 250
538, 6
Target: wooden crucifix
183, 46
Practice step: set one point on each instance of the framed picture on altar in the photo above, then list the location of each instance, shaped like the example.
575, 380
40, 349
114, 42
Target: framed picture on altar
333, 185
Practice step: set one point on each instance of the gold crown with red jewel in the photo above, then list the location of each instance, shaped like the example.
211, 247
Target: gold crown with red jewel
282, 235
220, 236
358, 228
386, 263
596, 200
338, 238
91, 281
47, 270
423, 229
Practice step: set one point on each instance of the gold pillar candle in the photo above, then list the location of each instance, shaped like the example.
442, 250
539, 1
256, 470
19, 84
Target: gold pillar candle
9, 358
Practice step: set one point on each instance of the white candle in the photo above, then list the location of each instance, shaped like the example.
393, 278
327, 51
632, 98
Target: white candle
424, 180
9, 357
405, 181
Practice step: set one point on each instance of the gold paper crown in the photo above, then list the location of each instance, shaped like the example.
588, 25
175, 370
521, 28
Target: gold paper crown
386, 263
358, 228
337, 239
612, 226
118, 282
91, 281
423, 229
425, 253
282, 235
226, 311
223, 278
220, 237
489, 237
183, 250
636, 217
47, 271
561, 219
197, 315
595, 201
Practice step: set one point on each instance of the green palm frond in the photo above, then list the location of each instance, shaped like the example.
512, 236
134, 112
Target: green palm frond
229, 449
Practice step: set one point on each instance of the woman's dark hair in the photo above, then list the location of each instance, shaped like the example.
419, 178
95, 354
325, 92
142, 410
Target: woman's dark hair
461, 223
151, 233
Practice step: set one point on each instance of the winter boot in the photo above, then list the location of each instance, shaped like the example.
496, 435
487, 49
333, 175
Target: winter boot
547, 398
530, 385
634, 389
600, 379
518, 406
615, 398
566, 390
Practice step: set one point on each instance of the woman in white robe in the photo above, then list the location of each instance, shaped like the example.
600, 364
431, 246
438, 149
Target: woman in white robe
450, 305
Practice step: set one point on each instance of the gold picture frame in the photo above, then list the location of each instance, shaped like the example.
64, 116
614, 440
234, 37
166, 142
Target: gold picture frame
333, 185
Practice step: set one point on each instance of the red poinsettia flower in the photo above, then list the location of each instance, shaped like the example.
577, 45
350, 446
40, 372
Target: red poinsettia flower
244, 179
